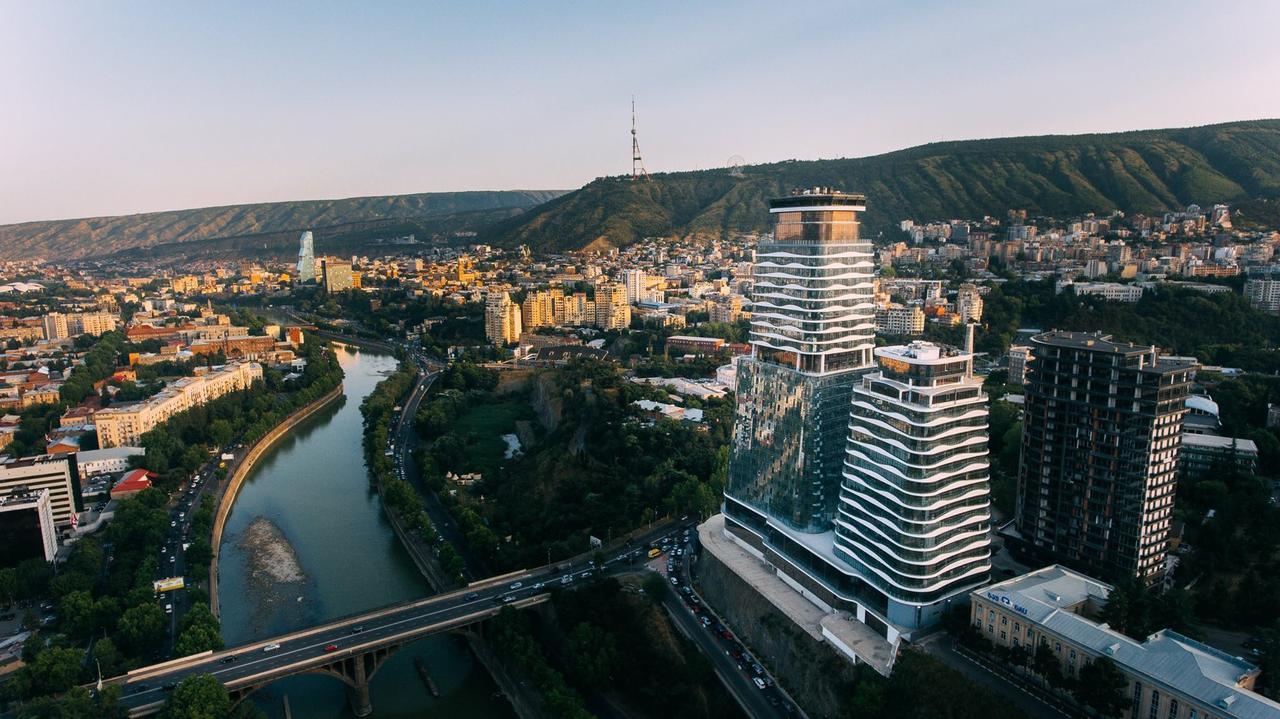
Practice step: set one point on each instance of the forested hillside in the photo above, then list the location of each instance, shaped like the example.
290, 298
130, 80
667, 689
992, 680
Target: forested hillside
1150, 171
95, 236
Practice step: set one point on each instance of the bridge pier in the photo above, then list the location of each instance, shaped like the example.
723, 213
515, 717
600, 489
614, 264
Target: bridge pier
358, 688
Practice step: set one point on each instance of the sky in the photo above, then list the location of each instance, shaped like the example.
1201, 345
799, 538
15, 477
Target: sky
111, 108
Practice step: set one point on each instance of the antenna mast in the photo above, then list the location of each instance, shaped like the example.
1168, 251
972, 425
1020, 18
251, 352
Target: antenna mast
637, 165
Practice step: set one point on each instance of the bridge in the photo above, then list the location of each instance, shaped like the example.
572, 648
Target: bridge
352, 649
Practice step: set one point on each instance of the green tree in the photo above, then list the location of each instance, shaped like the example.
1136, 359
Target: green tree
198, 697
220, 432
1045, 663
141, 629
76, 611
55, 669
200, 631
592, 655
1101, 686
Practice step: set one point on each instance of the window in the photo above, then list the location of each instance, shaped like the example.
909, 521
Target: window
1057, 647
1194, 713
1073, 656
991, 629
1004, 621
991, 615
1173, 709
1003, 635
1155, 704
1137, 699
1017, 628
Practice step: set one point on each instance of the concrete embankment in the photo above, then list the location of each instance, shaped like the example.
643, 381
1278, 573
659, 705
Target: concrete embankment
228, 497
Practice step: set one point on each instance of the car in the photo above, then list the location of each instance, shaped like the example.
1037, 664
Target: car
758, 682
227, 659
331, 647
757, 669
168, 609
566, 579
271, 647
538, 586
515, 585
472, 597
357, 629
508, 598
675, 580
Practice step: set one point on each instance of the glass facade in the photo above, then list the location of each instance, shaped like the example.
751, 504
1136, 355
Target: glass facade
889, 467
812, 331
788, 443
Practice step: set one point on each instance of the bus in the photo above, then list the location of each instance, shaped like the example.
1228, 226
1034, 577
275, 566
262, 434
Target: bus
654, 552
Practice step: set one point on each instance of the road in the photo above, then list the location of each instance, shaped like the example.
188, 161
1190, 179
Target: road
405, 438
732, 662
172, 559
145, 689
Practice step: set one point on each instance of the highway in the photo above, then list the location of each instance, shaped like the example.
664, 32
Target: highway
144, 690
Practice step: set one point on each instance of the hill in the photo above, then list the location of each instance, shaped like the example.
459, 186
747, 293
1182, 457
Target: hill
1147, 171
97, 236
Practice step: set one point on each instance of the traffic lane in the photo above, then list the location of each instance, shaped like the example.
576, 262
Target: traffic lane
744, 691
450, 608
692, 607
230, 666
373, 629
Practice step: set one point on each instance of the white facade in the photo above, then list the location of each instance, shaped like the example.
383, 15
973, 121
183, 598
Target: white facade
1113, 291
915, 507
55, 474
37, 501
813, 294
106, 461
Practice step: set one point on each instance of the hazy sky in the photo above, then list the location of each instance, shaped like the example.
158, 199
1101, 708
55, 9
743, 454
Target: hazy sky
114, 107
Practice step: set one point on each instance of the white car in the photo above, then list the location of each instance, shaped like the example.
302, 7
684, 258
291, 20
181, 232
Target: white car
271, 647
516, 585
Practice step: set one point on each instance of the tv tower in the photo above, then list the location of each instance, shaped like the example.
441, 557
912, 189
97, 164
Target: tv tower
637, 165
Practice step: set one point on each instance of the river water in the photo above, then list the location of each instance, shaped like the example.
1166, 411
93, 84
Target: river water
307, 542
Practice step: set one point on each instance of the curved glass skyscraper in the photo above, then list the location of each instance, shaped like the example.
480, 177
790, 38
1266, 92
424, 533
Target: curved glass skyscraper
915, 506
859, 473
812, 331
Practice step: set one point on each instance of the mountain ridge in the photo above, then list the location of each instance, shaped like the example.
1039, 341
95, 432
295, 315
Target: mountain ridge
78, 238
1137, 170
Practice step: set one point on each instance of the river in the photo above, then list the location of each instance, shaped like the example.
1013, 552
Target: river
307, 542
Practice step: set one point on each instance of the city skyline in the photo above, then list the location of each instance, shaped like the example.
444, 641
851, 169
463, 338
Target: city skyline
127, 110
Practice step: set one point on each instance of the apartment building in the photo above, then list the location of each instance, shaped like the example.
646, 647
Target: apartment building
58, 475
124, 425
900, 320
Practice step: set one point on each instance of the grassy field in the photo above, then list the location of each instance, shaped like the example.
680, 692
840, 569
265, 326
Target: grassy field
482, 427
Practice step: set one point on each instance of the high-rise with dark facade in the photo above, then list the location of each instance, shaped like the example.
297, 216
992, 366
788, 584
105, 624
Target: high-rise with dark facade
1101, 431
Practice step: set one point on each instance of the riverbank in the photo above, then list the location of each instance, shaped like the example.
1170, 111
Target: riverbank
355, 341
227, 498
